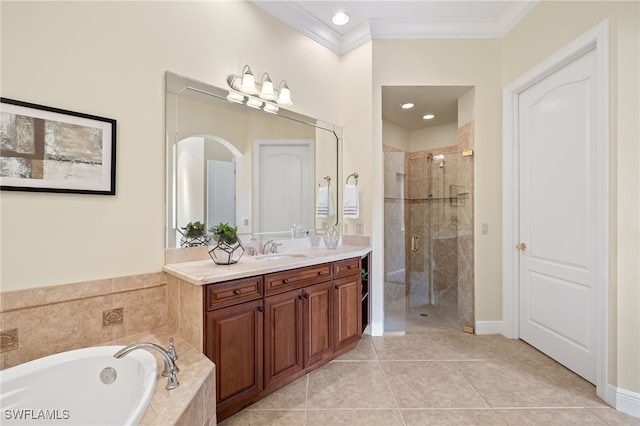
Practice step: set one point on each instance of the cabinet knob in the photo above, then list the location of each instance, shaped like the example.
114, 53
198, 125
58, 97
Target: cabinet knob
286, 280
337, 287
260, 309
306, 295
301, 297
237, 292
321, 273
350, 267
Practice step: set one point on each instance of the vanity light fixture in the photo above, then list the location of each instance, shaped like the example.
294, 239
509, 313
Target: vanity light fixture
428, 116
248, 82
254, 103
259, 95
285, 94
267, 92
235, 97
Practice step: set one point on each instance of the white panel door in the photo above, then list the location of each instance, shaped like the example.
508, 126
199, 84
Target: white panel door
285, 184
557, 215
221, 192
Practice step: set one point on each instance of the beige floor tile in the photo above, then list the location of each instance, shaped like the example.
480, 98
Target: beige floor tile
514, 384
613, 417
430, 384
291, 397
364, 351
411, 346
248, 417
469, 417
549, 416
363, 417
353, 384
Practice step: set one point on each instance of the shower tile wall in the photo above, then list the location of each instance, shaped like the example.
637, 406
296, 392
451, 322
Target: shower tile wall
443, 226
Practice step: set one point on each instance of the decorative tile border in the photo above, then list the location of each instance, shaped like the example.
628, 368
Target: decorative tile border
8, 340
112, 317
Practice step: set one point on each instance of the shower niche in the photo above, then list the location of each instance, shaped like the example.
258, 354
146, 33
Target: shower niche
429, 219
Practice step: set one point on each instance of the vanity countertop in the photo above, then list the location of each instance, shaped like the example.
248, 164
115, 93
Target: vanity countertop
201, 272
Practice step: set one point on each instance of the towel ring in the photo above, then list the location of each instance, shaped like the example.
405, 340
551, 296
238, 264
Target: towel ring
328, 179
354, 175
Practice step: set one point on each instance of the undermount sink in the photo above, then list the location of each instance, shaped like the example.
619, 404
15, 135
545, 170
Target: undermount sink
278, 256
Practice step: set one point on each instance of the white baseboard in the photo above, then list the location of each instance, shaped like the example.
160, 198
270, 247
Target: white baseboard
623, 400
489, 327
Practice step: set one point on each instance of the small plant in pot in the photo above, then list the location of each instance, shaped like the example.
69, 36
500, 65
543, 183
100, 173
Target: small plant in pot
228, 248
194, 234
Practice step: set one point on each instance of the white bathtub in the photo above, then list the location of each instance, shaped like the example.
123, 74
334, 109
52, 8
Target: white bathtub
67, 389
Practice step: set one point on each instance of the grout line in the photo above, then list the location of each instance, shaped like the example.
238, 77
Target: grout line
384, 373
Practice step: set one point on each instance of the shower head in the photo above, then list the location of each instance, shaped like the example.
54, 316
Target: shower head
439, 158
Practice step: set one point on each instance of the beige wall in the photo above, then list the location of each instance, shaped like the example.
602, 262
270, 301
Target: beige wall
434, 137
544, 31
109, 59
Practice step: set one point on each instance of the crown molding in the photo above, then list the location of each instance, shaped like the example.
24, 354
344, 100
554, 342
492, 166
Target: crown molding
387, 29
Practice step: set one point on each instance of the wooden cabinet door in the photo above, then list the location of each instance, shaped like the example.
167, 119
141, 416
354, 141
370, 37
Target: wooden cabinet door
234, 343
283, 337
347, 310
317, 323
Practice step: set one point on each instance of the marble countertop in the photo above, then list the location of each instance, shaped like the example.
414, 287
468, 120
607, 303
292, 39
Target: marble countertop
205, 271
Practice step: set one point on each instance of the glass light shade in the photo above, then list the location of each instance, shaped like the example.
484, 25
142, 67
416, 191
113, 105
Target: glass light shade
254, 103
271, 108
235, 97
267, 91
284, 97
248, 84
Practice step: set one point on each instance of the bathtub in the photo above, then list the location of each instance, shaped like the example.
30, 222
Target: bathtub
81, 387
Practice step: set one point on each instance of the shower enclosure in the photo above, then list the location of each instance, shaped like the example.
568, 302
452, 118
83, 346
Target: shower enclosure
429, 262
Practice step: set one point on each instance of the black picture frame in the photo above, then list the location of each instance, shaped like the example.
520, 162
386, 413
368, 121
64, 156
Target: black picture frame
47, 149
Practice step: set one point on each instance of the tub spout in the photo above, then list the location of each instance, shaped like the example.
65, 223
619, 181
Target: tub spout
170, 368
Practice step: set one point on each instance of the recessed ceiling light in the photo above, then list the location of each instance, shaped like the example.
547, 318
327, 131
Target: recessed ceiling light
406, 105
428, 116
340, 18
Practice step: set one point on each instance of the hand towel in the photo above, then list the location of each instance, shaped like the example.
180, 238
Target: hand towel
324, 205
351, 202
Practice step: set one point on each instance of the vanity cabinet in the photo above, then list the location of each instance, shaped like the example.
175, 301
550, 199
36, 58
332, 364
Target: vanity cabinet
298, 332
347, 306
266, 331
234, 330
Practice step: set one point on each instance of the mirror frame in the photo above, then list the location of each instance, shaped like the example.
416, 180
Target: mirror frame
176, 84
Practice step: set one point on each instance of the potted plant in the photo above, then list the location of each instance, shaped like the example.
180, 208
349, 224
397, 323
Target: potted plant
194, 234
228, 249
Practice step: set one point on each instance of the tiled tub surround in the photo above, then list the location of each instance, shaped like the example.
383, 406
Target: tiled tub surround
193, 268
119, 311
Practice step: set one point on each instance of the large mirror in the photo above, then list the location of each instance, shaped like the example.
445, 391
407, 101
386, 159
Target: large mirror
270, 175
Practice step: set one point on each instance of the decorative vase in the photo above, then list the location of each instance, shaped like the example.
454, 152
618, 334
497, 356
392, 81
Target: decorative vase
331, 237
225, 253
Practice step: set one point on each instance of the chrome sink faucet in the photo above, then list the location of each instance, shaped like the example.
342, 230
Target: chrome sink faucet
270, 247
169, 357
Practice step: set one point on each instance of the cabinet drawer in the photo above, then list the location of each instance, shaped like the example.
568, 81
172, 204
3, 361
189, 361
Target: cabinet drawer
286, 280
343, 268
232, 292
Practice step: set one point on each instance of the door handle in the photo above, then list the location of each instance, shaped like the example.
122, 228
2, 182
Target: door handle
414, 243
521, 246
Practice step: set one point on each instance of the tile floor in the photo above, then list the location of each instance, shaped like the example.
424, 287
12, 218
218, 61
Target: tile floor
435, 375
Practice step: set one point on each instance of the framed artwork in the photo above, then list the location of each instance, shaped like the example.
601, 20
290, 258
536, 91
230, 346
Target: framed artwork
47, 149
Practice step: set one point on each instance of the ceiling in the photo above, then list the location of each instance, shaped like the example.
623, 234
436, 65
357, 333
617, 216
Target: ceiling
416, 19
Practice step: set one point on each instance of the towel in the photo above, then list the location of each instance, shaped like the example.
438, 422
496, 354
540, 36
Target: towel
324, 205
351, 203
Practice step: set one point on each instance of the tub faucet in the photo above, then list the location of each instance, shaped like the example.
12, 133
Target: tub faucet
169, 357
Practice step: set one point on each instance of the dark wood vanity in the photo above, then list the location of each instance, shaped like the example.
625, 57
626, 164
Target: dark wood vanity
265, 331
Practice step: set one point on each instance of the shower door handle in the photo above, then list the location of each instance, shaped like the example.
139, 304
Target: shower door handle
414, 243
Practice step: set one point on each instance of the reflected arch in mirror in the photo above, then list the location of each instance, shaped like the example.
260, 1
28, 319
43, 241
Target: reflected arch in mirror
205, 181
